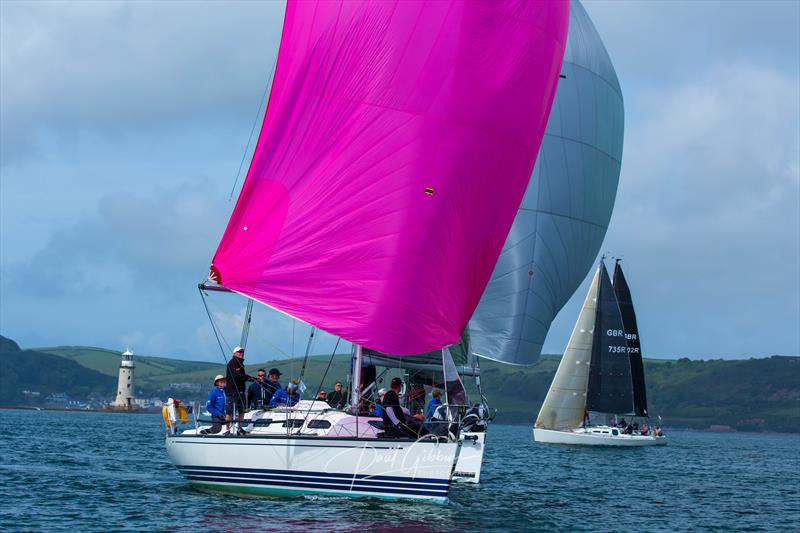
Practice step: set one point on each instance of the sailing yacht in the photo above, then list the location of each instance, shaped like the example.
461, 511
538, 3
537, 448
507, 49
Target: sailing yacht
600, 376
397, 144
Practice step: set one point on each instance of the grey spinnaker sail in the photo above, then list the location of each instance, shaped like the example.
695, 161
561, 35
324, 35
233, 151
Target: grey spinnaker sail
564, 215
623, 294
610, 388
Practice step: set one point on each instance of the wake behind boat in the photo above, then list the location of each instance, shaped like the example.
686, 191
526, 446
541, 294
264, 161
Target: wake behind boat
600, 376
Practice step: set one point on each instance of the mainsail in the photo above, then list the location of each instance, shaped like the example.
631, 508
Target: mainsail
564, 406
398, 142
610, 388
565, 212
625, 302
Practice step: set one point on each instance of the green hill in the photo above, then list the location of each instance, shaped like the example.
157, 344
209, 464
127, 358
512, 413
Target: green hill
152, 373
760, 394
30, 370
750, 395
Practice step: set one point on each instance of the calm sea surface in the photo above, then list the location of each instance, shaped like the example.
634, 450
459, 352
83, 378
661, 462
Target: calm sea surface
109, 472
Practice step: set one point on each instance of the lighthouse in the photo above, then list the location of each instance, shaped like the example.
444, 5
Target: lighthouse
125, 395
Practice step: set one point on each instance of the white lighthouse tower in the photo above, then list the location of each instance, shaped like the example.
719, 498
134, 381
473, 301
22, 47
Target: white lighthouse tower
125, 395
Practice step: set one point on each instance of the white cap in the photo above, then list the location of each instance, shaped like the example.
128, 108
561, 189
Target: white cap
238, 349
382, 391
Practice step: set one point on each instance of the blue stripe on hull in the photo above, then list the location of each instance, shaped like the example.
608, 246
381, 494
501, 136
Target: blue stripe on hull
319, 479
344, 488
306, 473
298, 481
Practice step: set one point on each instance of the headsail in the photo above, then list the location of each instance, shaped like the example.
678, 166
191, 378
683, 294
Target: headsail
397, 144
625, 302
563, 218
610, 388
565, 404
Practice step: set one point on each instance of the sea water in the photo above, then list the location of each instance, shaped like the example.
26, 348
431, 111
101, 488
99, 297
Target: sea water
80, 471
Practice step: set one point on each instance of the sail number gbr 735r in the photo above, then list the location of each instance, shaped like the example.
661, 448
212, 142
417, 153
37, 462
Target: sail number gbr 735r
622, 349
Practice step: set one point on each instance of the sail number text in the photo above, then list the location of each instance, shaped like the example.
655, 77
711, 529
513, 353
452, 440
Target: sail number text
622, 349
620, 333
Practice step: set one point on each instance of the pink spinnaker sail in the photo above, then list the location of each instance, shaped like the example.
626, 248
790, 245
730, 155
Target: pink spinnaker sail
397, 144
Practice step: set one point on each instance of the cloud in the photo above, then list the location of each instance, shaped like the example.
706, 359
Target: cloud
708, 213
157, 243
684, 40
69, 67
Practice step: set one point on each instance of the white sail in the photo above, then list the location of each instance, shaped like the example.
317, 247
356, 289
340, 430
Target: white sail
565, 403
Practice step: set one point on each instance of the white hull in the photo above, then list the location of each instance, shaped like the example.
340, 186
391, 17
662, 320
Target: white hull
599, 436
470, 459
342, 459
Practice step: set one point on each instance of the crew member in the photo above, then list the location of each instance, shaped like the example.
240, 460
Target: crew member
257, 392
336, 398
416, 399
379, 404
435, 402
286, 397
235, 389
394, 419
272, 386
216, 405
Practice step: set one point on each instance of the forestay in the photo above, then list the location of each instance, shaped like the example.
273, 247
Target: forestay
565, 212
397, 144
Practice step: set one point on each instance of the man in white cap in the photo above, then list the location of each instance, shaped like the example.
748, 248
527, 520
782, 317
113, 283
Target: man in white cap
216, 405
235, 389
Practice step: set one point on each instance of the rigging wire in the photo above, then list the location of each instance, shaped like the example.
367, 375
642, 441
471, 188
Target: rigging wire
253, 129
308, 351
218, 335
238, 321
322, 381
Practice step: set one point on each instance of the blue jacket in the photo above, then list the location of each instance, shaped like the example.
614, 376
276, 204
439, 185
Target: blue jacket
429, 412
259, 395
378, 410
282, 397
216, 402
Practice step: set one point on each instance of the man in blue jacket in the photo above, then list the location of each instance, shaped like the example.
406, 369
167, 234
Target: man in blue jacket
216, 405
257, 392
436, 401
286, 397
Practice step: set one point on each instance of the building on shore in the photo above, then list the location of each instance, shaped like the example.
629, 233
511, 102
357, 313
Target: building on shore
125, 401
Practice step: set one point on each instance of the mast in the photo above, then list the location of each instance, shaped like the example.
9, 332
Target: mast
355, 382
623, 294
610, 387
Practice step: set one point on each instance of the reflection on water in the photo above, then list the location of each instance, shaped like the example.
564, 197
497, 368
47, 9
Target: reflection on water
106, 471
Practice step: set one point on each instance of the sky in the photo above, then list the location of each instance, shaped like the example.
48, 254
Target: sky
123, 125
